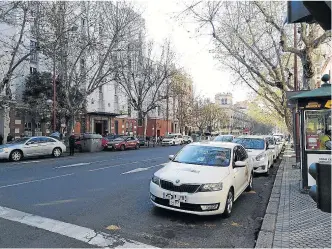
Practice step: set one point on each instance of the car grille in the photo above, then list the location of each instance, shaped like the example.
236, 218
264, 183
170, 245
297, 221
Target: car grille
188, 188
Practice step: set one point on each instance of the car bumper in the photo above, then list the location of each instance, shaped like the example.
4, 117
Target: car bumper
4, 155
194, 202
260, 167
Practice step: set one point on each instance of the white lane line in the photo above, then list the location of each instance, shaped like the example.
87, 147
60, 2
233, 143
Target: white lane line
86, 163
39, 180
117, 165
83, 234
142, 169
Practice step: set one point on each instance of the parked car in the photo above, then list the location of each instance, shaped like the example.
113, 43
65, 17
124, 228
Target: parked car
187, 139
224, 138
141, 141
204, 178
31, 146
123, 143
258, 148
275, 151
172, 139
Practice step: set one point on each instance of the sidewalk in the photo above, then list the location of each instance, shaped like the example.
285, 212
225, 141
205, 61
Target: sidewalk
292, 219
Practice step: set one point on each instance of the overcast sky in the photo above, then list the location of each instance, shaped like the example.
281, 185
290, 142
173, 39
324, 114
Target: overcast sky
193, 50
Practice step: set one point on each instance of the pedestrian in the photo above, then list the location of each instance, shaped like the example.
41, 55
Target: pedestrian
1, 139
72, 144
148, 140
9, 138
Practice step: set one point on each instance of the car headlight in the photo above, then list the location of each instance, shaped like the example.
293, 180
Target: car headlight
210, 187
4, 150
155, 180
260, 157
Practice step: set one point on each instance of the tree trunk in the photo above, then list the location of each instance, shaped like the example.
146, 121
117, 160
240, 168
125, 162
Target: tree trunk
308, 70
145, 117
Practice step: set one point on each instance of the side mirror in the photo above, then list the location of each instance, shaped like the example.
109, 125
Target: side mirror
271, 147
240, 164
171, 157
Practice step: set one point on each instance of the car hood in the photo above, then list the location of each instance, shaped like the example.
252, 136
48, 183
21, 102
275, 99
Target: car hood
191, 173
7, 145
252, 152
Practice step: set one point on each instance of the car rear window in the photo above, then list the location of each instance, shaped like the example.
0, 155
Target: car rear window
251, 143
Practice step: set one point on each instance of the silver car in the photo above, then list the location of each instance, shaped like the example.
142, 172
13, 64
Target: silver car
31, 146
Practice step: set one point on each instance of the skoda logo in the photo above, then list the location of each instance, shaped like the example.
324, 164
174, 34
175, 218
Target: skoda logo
177, 181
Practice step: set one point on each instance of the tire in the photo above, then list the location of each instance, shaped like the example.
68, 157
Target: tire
16, 156
250, 186
137, 147
229, 204
56, 152
122, 148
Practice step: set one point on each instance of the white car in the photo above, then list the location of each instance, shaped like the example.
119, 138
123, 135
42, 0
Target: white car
275, 151
31, 146
204, 178
224, 138
258, 149
187, 139
172, 139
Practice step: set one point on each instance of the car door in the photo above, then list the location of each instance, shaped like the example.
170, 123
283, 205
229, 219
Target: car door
31, 147
51, 144
129, 142
44, 146
239, 172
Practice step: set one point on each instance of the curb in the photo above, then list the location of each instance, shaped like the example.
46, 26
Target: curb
266, 233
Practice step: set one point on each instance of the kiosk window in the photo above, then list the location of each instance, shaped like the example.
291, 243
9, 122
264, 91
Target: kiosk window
318, 130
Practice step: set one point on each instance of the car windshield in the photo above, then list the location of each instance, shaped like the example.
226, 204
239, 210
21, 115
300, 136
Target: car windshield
251, 143
223, 139
20, 141
170, 136
118, 139
204, 155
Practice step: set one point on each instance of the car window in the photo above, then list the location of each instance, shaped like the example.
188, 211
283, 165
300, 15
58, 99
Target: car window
19, 141
180, 136
34, 140
204, 155
242, 153
42, 140
223, 139
251, 143
118, 139
50, 140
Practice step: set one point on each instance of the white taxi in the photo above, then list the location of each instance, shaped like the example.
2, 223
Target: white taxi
258, 148
204, 178
172, 139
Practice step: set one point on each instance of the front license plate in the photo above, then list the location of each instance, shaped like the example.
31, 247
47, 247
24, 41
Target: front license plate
175, 199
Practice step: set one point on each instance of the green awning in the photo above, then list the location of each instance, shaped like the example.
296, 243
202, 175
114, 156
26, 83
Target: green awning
323, 91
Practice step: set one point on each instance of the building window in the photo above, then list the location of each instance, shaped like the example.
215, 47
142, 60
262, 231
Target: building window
33, 70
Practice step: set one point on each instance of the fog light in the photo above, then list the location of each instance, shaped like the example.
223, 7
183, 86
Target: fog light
152, 197
209, 207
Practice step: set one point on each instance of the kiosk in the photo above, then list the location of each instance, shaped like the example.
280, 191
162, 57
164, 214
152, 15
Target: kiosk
315, 128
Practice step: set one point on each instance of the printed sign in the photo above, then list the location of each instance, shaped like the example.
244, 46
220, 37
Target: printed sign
312, 142
317, 158
313, 105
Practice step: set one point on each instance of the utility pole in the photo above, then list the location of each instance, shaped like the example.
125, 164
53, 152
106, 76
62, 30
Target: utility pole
296, 114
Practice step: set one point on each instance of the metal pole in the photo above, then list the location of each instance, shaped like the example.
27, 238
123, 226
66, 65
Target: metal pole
54, 95
297, 116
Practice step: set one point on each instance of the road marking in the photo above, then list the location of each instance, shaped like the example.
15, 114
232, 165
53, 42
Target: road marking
83, 234
55, 202
39, 180
142, 169
113, 228
86, 163
117, 165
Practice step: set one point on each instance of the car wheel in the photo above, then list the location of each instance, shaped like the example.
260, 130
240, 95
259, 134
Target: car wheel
137, 147
250, 186
56, 152
229, 204
16, 155
122, 147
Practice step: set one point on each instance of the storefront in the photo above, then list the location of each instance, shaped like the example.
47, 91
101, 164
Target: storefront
315, 129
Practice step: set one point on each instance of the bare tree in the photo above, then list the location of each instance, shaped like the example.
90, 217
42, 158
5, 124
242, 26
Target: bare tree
84, 38
15, 18
144, 76
249, 44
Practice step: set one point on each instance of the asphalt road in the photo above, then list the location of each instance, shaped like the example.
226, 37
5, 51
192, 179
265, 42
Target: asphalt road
109, 192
